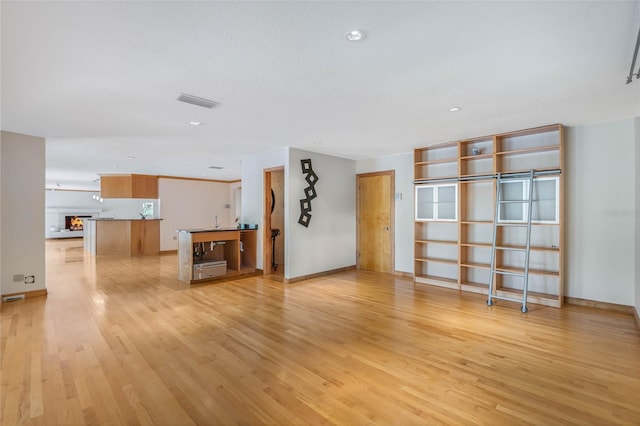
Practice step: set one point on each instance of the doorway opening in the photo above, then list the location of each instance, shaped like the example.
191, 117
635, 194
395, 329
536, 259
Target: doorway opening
274, 227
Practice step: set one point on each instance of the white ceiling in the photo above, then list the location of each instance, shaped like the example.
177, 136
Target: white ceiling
99, 80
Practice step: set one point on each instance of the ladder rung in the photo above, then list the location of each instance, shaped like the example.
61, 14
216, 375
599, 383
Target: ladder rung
512, 224
511, 249
513, 201
510, 299
513, 274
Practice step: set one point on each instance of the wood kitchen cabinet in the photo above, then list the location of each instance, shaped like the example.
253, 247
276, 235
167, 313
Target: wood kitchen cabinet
205, 246
123, 237
129, 186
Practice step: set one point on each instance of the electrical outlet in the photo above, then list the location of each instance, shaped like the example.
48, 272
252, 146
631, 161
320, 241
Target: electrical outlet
30, 279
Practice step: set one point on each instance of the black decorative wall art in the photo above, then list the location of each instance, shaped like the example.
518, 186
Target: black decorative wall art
309, 193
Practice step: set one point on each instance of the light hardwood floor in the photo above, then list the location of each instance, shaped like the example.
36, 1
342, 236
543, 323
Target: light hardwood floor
122, 341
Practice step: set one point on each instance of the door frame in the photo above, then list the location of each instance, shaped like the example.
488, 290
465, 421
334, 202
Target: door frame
266, 232
392, 206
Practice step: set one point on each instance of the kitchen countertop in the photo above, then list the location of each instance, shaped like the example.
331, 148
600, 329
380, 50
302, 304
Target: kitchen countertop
198, 230
112, 219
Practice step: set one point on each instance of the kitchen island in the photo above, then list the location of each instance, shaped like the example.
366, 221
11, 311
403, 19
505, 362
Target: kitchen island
123, 237
207, 254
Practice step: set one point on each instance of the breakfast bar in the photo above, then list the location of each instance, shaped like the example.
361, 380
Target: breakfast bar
208, 254
123, 237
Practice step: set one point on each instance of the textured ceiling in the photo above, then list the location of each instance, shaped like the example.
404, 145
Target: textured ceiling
99, 80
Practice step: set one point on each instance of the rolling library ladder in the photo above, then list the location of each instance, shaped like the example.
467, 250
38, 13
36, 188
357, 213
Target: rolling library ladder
489, 216
500, 201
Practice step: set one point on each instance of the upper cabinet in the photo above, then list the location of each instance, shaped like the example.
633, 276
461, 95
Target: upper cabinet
436, 202
129, 186
144, 186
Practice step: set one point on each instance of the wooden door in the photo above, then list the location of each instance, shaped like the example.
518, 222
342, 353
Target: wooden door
375, 207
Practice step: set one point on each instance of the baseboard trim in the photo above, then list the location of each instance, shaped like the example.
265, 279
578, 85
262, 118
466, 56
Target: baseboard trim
28, 294
318, 274
636, 315
163, 252
600, 305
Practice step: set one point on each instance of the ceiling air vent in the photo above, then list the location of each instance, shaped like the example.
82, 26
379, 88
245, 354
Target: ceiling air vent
195, 100
216, 167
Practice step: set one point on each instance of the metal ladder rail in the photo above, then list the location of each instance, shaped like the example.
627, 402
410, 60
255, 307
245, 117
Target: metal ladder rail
527, 250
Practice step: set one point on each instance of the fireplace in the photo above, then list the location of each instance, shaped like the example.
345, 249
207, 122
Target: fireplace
74, 223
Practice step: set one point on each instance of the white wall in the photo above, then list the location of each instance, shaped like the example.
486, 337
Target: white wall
600, 212
71, 199
637, 215
402, 164
252, 191
330, 240
189, 204
1, 204
22, 217
235, 196
0, 182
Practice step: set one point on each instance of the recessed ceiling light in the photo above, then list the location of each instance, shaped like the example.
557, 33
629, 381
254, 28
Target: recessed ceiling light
454, 109
195, 123
355, 35
318, 142
115, 166
131, 157
209, 152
